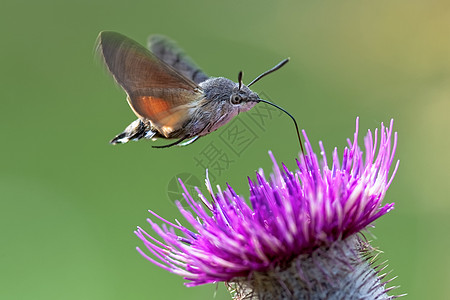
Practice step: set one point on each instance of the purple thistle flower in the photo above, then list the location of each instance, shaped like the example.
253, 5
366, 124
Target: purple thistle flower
292, 217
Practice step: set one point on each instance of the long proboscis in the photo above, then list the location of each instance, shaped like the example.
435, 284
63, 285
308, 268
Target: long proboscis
293, 119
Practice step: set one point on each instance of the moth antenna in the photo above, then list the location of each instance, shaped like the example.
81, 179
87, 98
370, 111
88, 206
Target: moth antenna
282, 63
240, 79
293, 119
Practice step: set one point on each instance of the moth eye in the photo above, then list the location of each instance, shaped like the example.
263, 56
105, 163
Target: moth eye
236, 99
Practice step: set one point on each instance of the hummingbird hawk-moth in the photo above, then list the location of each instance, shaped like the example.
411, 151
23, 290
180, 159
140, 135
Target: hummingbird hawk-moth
170, 95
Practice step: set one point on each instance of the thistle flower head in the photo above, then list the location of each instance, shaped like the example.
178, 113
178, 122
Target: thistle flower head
290, 214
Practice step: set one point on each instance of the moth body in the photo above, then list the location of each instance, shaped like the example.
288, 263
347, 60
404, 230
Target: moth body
170, 95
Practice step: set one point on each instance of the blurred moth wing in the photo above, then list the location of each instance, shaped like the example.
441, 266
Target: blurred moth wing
169, 52
156, 91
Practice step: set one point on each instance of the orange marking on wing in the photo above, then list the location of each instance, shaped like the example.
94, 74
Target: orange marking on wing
155, 108
162, 113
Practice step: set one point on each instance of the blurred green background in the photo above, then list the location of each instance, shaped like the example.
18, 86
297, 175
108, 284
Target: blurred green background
70, 201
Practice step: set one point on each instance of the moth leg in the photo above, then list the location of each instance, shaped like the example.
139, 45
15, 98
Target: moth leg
189, 141
172, 144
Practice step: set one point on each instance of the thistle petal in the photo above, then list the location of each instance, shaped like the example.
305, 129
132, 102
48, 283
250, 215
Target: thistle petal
292, 214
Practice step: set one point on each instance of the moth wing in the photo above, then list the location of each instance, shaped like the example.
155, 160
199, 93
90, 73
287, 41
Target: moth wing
166, 112
156, 91
169, 52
